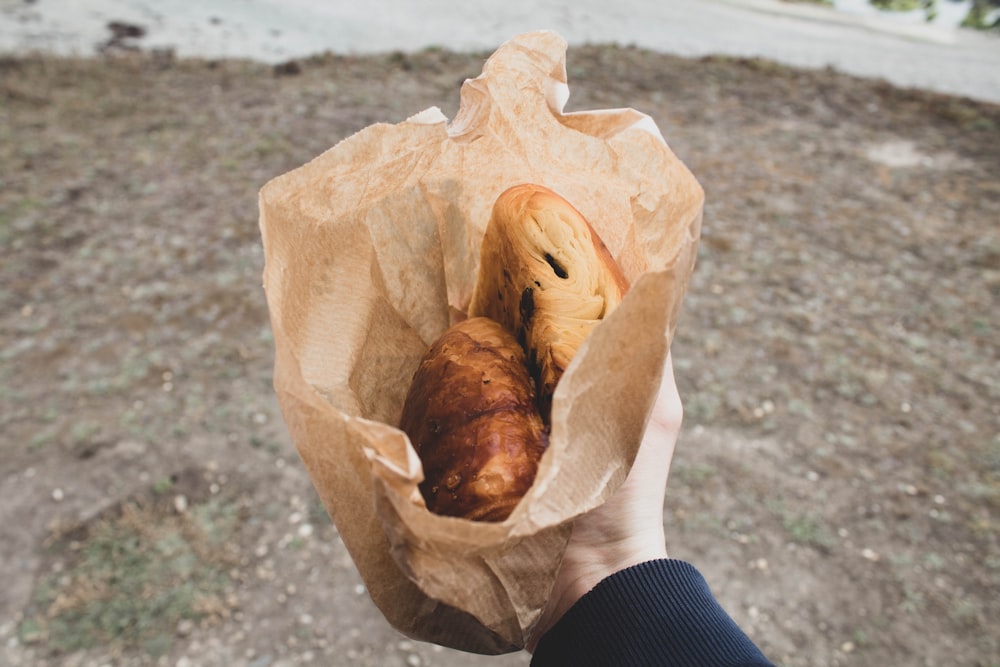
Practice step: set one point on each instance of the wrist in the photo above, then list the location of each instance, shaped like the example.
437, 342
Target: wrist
589, 559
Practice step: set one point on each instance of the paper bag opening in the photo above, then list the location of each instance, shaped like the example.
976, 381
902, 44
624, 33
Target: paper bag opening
371, 252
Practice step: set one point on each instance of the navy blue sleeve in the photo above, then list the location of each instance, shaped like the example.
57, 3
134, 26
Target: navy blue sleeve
656, 613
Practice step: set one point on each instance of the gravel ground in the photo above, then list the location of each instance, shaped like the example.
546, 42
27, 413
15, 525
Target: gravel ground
838, 477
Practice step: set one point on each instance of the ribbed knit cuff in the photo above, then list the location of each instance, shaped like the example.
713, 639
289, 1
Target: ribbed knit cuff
656, 613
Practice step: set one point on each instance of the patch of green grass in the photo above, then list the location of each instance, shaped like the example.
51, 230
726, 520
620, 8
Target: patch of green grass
806, 529
134, 576
694, 474
898, 5
163, 485
802, 528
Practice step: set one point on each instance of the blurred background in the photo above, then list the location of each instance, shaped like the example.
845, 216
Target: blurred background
838, 476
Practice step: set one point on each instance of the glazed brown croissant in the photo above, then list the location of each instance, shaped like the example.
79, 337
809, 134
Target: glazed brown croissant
547, 277
472, 418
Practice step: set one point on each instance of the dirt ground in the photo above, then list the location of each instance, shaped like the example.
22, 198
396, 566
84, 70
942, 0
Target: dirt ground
838, 477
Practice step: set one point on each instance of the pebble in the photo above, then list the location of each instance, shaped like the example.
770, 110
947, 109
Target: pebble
939, 499
868, 554
185, 627
180, 503
847, 647
295, 517
905, 407
413, 660
812, 476
305, 530
58, 495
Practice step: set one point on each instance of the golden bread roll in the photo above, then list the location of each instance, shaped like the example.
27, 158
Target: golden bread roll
471, 416
545, 275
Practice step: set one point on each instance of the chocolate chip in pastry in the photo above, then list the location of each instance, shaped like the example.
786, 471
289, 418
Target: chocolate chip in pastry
547, 277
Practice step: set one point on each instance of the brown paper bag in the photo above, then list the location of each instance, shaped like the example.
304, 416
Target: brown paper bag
371, 253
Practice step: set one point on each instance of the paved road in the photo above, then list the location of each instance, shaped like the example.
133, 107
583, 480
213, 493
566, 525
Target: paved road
949, 60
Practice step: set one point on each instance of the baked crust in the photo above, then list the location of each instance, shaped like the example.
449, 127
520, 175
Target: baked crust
545, 275
472, 417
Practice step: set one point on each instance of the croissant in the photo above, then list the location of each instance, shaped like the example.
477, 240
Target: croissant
471, 415
547, 277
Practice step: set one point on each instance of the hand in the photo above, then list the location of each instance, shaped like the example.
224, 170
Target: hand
628, 528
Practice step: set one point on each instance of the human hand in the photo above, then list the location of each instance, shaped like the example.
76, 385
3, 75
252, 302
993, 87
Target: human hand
628, 528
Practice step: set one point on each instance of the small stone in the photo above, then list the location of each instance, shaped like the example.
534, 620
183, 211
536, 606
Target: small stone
58, 495
180, 503
359, 589
185, 627
868, 554
812, 476
213, 488
306, 619
259, 418
295, 517
939, 499
305, 530
905, 407
847, 647
413, 660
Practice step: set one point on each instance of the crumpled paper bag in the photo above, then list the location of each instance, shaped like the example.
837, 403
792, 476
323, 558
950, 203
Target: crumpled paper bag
371, 253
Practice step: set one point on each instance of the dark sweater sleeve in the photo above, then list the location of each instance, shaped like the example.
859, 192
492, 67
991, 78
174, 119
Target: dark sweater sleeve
656, 613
